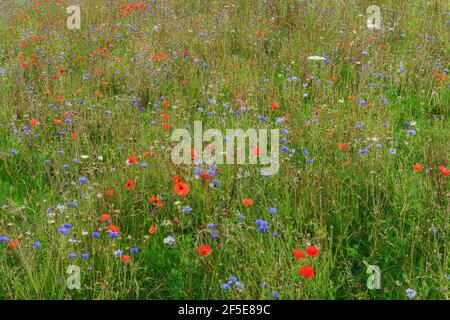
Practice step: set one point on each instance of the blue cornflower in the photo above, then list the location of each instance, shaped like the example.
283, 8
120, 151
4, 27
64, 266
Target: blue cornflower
37, 245
272, 210
275, 295
85, 256
63, 230
225, 286
215, 183
134, 250
392, 151
72, 255
169, 240
95, 235
410, 293
113, 235
143, 165
187, 209
262, 225
83, 180
411, 132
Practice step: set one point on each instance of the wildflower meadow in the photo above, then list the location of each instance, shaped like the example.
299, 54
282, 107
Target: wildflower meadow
232, 150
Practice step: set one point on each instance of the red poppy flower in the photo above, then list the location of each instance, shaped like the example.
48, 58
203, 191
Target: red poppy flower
298, 254
125, 258
181, 189
132, 160
147, 154
109, 192
176, 179
113, 228
247, 202
445, 172
152, 229
342, 146
275, 105
418, 167
13, 244
130, 184
306, 271
34, 122
205, 176
204, 250
156, 201
105, 217
312, 251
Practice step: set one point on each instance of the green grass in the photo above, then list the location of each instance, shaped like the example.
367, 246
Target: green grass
359, 210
